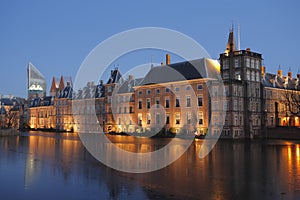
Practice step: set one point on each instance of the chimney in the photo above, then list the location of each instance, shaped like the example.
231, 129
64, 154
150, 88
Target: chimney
168, 59
263, 70
279, 72
290, 74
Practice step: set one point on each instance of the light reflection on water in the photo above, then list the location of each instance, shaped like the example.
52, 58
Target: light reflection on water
43, 165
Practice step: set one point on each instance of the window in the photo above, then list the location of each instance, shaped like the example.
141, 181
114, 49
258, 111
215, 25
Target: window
236, 63
177, 103
167, 118
148, 104
248, 75
225, 106
235, 105
120, 110
215, 91
225, 75
157, 91
177, 118
200, 101
257, 64
130, 109
119, 121
140, 92
140, 119
257, 76
157, 102
225, 64
167, 90
188, 118
199, 87
125, 109
188, 88
148, 118
167, 102
216, 105
109, 89
177, 89
247, 62
226, 91
140, 104
238, 75
148, 91
124, 98
252, 63
157, 118
188, 101
200, 118
252, 76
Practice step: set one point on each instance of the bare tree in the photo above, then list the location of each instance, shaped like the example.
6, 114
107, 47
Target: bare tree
292, 98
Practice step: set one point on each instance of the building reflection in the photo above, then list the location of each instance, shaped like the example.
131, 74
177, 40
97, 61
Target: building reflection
232, 170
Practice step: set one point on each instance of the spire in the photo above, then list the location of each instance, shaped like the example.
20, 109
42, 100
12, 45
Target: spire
61, 84
53, 87
231, 45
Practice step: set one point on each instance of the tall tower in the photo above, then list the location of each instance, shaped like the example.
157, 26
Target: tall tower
241, 73
36, 85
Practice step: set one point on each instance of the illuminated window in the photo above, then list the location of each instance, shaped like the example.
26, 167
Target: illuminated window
200, 118
188, 101
188, 118
140, 119
148, 118
177, 118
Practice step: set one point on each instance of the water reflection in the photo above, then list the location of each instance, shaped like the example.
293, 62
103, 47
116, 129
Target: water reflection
57, 166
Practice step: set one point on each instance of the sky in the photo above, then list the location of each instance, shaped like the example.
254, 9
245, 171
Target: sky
56, 36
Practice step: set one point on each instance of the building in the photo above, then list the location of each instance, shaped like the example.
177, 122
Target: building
36, 86
11, 110
182, 98
241, 73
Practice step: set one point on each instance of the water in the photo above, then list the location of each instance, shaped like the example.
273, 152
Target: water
42, 165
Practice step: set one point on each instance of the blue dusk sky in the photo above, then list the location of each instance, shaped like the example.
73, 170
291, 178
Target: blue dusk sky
57, 36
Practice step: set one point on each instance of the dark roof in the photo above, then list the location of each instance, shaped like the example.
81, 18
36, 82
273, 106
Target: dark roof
188, 70
115, 76
282, 82
9, 101
100, 90
2, 110
127, 86
45, 101
67, 92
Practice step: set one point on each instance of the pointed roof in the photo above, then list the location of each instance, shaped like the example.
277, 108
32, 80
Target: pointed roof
231, 44
53, 85
61, 84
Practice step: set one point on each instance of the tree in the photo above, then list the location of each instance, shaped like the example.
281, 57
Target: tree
292, 98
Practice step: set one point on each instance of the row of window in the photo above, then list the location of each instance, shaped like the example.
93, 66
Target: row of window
167, 102
177, 89
177, 118
250, 63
